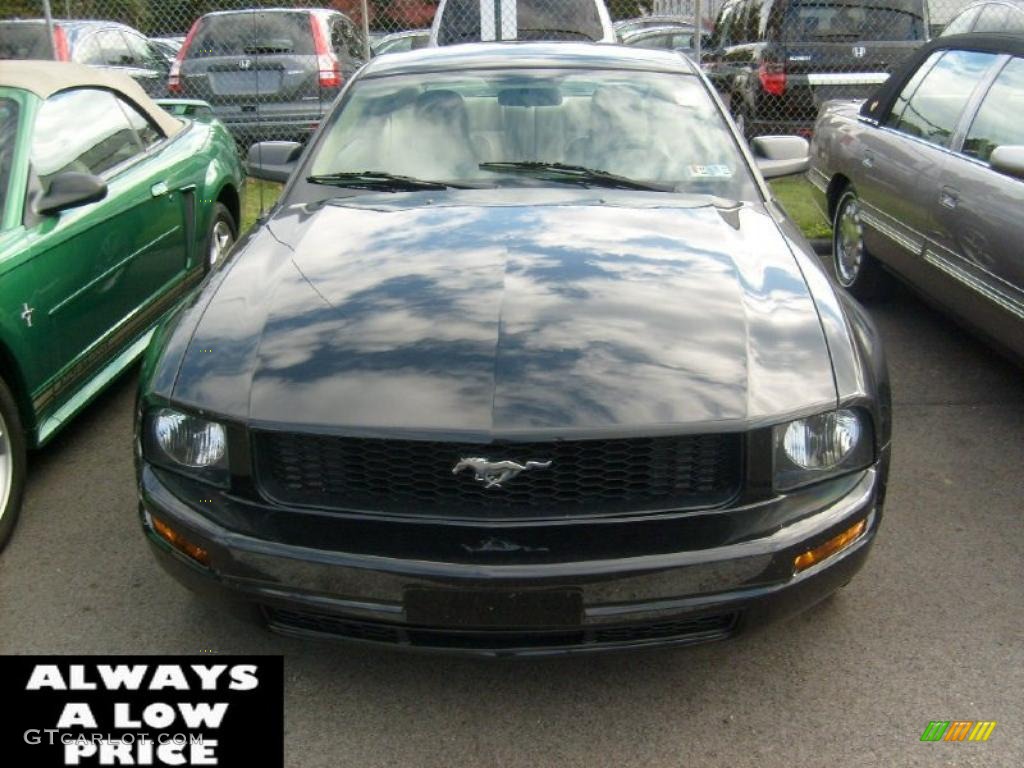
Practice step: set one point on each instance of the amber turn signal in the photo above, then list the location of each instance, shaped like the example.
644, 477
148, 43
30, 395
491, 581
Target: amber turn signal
832, 546
179, 542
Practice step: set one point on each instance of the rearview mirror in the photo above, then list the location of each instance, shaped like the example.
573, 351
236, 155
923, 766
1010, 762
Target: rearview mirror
781, 155
273, 160
70, 190
1008, 160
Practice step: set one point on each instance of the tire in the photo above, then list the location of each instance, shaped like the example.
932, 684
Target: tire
220, 237
855, 268
12, 464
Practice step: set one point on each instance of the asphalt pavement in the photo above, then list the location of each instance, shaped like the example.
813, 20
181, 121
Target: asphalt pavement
931, 629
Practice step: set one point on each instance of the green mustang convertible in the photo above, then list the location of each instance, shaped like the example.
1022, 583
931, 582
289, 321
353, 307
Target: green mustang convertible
111, 211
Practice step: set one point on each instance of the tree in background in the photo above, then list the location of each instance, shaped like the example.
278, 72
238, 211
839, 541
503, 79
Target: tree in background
135, 13
22, 9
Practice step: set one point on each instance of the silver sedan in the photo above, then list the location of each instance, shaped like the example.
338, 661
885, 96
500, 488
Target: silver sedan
926, 180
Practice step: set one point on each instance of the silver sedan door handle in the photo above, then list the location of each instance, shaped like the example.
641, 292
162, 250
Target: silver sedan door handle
869, 159
949, 198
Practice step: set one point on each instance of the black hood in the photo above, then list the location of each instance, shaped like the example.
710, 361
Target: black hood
469, 313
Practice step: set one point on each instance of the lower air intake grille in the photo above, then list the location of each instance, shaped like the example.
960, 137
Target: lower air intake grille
694, 630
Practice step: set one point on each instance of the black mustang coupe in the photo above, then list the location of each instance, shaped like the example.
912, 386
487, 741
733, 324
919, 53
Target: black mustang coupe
527, 360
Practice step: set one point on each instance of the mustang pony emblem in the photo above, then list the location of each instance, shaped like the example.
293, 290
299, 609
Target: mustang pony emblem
493, 473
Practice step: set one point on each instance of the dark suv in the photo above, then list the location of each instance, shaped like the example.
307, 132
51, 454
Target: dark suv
776, 61
269, 74
104, 44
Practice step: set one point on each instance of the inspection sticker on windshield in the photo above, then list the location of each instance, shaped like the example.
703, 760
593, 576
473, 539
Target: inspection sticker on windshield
710, 172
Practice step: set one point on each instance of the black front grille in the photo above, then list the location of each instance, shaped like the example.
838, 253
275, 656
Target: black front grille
586, 477
696, 629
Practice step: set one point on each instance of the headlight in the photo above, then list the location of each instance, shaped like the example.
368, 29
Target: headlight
823, 446
187, 443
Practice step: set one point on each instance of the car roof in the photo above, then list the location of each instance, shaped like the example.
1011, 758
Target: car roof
45, 78
1009, 3
879, 104
236, 11
659, 18
515, 54
1014, 5
671, 29
406, 33
70, 24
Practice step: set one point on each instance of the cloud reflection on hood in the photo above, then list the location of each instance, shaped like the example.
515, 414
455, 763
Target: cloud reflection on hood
491, 319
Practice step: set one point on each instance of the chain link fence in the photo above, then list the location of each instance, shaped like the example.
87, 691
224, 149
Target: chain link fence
271, 68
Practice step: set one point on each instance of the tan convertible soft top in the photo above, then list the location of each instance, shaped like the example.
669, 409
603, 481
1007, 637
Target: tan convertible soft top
44, 78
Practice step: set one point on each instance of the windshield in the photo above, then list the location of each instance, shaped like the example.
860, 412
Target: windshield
841, 22
20, 40
8, 133
653, 128
520, 20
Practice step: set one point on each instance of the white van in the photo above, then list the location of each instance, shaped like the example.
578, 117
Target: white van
468, 21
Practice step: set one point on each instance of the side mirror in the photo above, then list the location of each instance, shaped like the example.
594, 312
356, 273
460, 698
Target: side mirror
70, 190
781, 155
273, 160
1008, 160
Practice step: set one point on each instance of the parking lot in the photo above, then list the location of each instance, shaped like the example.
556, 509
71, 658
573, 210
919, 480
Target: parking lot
931, 629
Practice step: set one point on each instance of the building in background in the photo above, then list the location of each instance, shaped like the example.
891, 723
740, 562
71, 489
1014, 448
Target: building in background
709, 9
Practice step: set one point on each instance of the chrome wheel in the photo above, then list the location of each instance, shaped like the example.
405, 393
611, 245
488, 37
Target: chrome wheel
6, 466
849, 241
221, 240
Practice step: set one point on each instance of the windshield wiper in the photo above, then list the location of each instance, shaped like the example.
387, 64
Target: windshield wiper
574, 174
388, 182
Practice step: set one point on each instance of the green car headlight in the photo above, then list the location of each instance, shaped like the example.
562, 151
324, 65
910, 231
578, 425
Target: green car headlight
187, 443
819, 447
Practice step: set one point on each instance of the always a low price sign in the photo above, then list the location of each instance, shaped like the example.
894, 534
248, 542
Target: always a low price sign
142, 710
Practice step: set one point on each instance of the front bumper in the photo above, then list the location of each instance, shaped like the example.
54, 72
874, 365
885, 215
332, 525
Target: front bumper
675, 597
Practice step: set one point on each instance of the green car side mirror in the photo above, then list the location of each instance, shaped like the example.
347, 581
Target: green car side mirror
71, 190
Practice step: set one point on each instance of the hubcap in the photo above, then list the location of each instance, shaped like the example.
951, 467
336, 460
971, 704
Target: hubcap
849, 244
220, 241
6, 466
